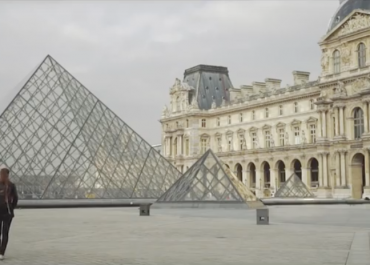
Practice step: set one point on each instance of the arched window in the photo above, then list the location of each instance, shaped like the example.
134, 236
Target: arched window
361, 55
336, 61
358, 119
314, 170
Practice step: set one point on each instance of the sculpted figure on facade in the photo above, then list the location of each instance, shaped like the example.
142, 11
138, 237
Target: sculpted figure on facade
272, 142
358, 22
340, 89
346, 54
213, 103
325, 61
304, 139
286, 140
165, 112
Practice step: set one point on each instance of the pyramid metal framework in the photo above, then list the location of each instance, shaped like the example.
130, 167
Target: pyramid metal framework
205, 181
61, 142
293, 188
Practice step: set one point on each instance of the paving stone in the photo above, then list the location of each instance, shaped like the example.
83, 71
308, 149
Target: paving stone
297, 235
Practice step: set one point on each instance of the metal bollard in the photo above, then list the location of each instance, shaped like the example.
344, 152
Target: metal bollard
144, 209
262, 216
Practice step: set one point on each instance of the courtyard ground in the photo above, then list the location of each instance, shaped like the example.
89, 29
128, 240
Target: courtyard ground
297, 235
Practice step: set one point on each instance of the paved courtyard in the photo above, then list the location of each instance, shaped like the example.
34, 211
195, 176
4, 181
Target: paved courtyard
298, 235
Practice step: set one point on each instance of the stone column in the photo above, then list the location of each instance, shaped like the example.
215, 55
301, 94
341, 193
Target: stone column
321, 171
273, 178
366, 117
337, 169
181, 145
341, 122
319, 125
305, 176
244, 177
259, 183
325, 169
343, 168
323, 117
367, 169
337, 121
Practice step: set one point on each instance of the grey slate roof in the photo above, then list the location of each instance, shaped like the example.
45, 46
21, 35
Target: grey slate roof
211, 83
345, 9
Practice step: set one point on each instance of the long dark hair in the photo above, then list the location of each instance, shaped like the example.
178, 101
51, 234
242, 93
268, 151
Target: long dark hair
6, 183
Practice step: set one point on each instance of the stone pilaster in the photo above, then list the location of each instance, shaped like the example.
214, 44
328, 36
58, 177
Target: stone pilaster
343, 168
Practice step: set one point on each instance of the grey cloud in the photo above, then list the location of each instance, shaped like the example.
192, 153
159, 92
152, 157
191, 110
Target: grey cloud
129, 53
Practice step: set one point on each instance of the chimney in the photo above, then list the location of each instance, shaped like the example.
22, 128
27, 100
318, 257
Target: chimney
272, 84
259, 87
300, 77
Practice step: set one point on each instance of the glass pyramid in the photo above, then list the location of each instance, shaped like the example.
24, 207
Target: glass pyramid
206, 181
61, 142
293, 188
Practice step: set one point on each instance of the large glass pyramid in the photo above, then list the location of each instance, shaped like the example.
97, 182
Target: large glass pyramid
293, 188
61, 142
206, 182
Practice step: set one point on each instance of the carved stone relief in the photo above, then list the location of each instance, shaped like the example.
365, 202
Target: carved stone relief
346, 54
340, 89
357, 22
325, 61
360, 84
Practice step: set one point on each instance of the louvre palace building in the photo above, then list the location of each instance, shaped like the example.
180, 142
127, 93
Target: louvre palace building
264, 132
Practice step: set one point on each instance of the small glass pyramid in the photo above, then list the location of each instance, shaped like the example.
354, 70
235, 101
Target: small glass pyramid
293, 188
61, 142
205, 182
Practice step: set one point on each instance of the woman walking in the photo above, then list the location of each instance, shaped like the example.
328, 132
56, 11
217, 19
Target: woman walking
8, 202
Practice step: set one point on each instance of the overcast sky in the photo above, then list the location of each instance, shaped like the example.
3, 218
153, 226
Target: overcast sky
128, 53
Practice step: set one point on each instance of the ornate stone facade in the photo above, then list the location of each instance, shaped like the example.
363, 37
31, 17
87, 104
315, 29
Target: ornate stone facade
264, 132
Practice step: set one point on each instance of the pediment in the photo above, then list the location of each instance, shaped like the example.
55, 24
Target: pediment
295, 122
240, 131
311, 120
204, 135
357, 20
253, 129
229, 132
280, 125
218, 134
266, 127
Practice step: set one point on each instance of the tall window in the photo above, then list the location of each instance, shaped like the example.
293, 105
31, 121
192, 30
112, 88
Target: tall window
312, 104
297, 138
266, 112
281, 112
187, 146
281, 137
267, 139
358, 123
203, 145
314, 168
204, 123
336, 62
218, 122
334, 132
177, 124
295, 107
219, 144
229, 144
313, 133
361, 55
241, 117
229, 119
254, 140
253, 115
241, 143
187, 123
